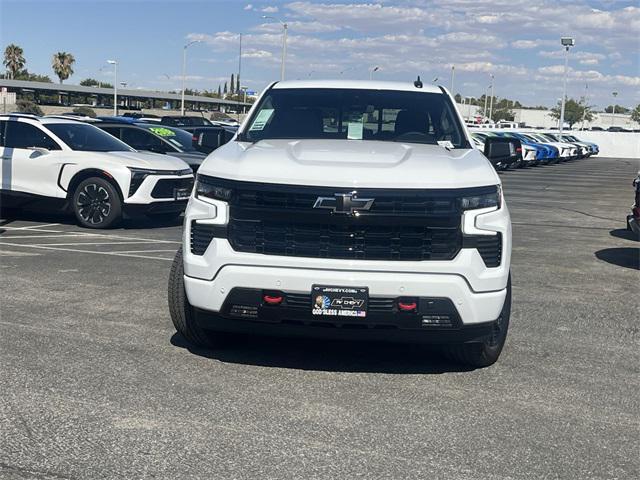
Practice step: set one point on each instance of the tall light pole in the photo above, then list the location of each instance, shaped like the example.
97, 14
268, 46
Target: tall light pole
184, 71
486, 97
613, 115
372, 71
285, 27
567, 42
584, 108
491, 104
453, 74
115, 86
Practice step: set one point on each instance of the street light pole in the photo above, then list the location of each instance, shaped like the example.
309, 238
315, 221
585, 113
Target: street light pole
453, 74
184, 72
613, 116
373, 70
491, 104
486, 97
285, 27
115, 86
566, 42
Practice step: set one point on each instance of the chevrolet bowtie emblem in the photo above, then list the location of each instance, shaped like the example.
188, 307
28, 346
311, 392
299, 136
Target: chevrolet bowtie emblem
344, 203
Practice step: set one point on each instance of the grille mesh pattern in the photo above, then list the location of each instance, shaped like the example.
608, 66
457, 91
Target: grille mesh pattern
365, 242
490, 248
201, 236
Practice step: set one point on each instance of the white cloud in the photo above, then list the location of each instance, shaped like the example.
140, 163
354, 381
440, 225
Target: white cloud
248, 7
269, 10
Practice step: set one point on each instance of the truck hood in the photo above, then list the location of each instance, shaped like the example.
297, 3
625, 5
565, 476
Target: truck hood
350, 163
149, 160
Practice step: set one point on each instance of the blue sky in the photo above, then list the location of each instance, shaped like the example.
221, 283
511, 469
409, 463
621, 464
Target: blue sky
515, 40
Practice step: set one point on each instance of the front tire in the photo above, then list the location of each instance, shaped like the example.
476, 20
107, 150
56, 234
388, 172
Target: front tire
479, 355
96, 203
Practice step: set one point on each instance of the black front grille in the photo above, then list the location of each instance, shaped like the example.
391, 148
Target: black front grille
201, 236
165, 188
355, 241
399, 225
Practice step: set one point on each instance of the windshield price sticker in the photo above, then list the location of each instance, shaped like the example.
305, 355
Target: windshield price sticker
163, 132
261, 119
339, 301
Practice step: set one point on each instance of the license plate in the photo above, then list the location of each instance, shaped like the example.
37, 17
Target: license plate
339, 301
181, 193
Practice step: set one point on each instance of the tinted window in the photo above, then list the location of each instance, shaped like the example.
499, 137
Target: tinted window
185, 121
143, 140
384, 115
87, 138
3, 125
179, 139
23, 135
115, 131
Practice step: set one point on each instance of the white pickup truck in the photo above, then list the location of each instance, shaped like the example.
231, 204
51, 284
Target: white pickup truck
347, 210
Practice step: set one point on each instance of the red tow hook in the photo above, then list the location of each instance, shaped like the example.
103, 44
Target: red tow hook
407, 305
272, 299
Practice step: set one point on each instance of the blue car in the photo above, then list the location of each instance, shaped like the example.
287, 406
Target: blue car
545, 154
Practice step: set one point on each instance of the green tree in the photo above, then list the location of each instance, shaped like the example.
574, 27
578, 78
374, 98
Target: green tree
574, 111
92, 82
232, 85
13, 59
635, 114
238, 84
27, 106
86, 111
62, 64
219, 92
224, 90
619, 109
24, 74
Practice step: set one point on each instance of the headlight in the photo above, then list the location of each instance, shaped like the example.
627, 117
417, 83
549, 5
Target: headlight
484, 200
139, 174
207, 187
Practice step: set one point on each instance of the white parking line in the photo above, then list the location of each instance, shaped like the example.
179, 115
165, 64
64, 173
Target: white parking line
101, 235
45, 236
34, 226
79, 244
146, 251
113, 254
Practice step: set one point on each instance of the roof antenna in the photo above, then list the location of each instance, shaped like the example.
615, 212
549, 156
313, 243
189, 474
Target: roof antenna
418, 83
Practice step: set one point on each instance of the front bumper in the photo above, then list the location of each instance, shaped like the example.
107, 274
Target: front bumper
472, 307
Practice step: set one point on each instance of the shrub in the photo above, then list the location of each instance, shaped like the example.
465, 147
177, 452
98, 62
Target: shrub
86, 111
27, 106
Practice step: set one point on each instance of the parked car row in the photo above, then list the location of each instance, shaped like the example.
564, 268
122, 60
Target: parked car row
538, 148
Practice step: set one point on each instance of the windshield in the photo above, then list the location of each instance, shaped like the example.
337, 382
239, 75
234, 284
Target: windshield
87, 138
355, 114
180, 139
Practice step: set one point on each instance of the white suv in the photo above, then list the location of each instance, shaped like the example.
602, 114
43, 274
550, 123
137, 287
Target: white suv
349, 210
77, 167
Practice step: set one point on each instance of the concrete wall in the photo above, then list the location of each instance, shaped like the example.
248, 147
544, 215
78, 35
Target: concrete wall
614, 144
541, 118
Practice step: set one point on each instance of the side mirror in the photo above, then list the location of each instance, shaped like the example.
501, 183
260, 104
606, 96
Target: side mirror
502, 150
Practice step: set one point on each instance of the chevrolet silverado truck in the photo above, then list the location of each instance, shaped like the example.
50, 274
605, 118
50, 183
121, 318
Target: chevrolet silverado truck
349, 210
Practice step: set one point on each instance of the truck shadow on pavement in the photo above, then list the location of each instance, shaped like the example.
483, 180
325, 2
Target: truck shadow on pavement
326, 356
627, 257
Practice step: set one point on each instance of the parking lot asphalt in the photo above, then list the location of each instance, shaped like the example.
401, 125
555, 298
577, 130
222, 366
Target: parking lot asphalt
94, 382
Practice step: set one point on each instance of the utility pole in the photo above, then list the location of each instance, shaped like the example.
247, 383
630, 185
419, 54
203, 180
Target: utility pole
613, 116
453, 74
491, 104
566, 42
285, 27
184, 72
115, 86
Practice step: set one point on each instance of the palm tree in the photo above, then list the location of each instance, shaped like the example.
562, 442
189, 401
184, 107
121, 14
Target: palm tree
62, 65
13, 59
